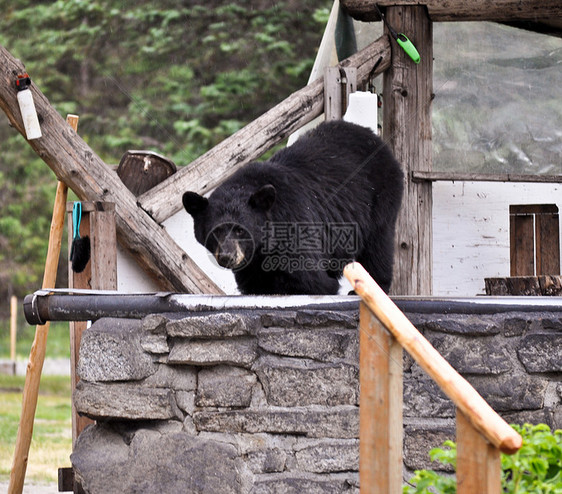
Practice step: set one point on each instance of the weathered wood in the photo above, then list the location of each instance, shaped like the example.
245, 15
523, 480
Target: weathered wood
478, 462
407, 97
380, 407
463, 10
534, 239
249, 143
547, 235
521, 245
142, 170
338, 84
458, 389
544, 285
98, 223
432, 176
75, 164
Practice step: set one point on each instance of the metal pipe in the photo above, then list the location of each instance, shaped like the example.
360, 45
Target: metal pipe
83, 305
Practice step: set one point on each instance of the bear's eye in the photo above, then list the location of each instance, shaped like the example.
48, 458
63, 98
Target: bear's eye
238, 231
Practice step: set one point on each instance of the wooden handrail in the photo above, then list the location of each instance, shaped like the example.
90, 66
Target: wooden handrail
464, 396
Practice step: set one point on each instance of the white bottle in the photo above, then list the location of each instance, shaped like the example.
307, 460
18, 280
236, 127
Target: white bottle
27, 108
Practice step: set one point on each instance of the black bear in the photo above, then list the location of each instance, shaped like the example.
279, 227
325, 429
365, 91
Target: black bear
289, 225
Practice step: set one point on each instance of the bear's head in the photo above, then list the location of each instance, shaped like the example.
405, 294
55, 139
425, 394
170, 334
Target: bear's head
230, 222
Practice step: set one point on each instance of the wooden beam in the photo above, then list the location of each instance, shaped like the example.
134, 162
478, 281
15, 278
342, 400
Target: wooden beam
407, 97
463, 10
76, 164
431, 176
249, 143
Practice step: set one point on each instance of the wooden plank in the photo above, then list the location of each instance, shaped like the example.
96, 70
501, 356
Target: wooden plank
380, 407
338, 84
407, 96
522, 244
76, 164
478, 462
433, 176
547, 234
250, 142
458, 389
463, 10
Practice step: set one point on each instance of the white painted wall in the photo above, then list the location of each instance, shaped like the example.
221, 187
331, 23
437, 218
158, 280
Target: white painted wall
471, 231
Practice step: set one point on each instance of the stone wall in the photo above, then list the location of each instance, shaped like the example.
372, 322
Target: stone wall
266, 400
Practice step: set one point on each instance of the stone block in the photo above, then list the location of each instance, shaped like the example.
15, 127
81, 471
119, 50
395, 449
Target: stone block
225, 386
419, 440
178, 378
125, 401
474, 355
267, 460
516, 325
237, 351
328, 456
211, 325
552, 322
295, 483
299, 382
541, 352
328, 319
154, 463
511, 392
463, 325
110, 350
319, 345
336, 422
424, 398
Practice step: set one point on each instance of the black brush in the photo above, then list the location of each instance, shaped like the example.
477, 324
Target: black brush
80, 249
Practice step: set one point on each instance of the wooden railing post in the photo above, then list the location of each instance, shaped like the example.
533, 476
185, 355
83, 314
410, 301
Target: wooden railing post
380, 407
478, 461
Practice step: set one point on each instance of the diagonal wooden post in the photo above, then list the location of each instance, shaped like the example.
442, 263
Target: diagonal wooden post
38, 349
77, 165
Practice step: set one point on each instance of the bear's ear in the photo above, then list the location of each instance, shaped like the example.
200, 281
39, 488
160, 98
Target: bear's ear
194, 203
263, 198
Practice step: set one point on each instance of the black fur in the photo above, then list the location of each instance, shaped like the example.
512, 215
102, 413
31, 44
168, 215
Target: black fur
337, 174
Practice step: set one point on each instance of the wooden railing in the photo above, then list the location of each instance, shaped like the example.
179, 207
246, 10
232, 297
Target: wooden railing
481, 433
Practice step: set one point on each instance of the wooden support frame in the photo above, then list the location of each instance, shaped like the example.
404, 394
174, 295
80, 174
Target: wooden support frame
98, 223
380, 407
481, 432
464, 10
478, 462
407, 98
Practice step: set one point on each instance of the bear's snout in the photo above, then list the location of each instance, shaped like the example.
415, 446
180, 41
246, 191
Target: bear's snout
230, 254
231, 245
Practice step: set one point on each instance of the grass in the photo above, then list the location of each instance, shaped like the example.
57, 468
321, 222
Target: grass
52, 435
58, 342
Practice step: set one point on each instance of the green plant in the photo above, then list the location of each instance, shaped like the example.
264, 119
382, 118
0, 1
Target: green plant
535, 468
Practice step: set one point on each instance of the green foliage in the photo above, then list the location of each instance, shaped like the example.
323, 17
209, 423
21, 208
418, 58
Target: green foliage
176, 78
535, 468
